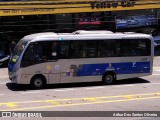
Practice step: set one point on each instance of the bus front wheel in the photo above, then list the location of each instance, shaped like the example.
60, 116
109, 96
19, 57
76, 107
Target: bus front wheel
108, 78
37, 82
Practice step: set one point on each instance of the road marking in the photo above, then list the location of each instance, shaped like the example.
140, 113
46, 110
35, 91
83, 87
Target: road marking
31, 92
12, 105
124, 86
9, 104
155, 74
155, 83
119, 86
54, 102
148, 84
6, 76
151, 84
2, 83
156, 67
78, 101
78, 104
63, 90
90, 88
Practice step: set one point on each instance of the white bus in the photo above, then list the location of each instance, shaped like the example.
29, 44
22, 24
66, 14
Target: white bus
50, 58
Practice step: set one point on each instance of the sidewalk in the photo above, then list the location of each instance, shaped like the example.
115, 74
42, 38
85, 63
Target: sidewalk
3, 72
156, 63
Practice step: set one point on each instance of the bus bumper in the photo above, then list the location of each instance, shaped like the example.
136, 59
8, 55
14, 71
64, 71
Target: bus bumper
15, 79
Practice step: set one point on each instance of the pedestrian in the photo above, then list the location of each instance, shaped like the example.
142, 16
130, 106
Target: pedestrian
12, 46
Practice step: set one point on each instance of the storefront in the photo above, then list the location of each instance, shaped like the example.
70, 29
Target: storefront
20, 18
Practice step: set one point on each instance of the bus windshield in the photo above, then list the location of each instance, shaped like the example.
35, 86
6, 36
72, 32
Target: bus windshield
18, 50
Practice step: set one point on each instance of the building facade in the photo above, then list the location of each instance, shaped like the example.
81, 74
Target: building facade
21, 17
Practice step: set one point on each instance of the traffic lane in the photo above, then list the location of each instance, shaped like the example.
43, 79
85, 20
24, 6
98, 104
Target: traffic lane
135, 102
45, 98
139, 104
12, 92
79, 89
51, 93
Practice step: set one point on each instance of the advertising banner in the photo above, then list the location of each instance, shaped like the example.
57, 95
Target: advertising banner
135, 21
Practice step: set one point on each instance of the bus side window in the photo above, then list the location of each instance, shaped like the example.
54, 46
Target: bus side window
54, 50
106, 48
128, 48
29, 53
78, 49
38, 52
118, 48
91, 49
136, 47
64, 50
33, 52
47, 50
144, 47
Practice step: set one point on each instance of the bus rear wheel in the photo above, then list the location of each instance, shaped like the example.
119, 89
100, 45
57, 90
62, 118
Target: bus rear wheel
108, 79
37, 82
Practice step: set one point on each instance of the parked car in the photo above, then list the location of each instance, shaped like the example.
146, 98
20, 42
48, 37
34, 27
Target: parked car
132, 21
4, 61
155, 33
4, 54
151, 20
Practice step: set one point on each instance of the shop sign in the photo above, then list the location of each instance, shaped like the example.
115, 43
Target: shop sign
89, 21
100, 5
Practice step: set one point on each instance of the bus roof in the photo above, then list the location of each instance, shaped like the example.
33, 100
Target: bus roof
92, 32
80, 35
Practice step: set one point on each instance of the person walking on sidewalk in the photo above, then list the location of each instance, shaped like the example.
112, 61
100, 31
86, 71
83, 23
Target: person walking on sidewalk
12, 46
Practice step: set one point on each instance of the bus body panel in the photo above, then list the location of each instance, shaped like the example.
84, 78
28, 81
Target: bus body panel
128, 76
47, 69
82, 69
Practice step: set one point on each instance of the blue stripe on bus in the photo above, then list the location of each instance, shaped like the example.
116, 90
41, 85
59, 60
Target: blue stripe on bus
118, 68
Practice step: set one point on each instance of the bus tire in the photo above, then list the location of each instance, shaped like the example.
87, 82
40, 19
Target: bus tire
38, 82
108, 78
